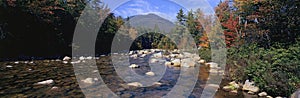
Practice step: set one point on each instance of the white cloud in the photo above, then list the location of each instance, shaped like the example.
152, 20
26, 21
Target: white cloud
204, 5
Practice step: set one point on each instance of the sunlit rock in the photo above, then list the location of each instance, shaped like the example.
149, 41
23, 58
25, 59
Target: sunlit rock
88, 81
188, 62
89, 58
176, 63
158, 55
26, 62
54, 88
45, 82
134, 66
168, 63
262, 94
153, 60
150, 73
143, 55
66, 58
130, 52
134, 56
136, 84
249, 86
65, 62
157, 83
272, 97
9, 66
81, 58
201, 61
212, 65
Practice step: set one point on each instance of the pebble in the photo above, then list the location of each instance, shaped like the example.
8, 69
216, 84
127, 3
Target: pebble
150, 73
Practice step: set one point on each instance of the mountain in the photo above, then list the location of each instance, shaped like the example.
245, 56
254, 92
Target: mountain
150, 20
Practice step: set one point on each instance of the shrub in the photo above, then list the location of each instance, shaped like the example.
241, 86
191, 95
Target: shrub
275, 70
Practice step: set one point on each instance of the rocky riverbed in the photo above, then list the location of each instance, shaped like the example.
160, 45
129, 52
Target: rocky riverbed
56, 78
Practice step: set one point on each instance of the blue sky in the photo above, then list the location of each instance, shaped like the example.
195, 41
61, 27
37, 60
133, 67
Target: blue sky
164, 8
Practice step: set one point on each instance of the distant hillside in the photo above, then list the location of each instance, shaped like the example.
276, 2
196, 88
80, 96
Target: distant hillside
150, 20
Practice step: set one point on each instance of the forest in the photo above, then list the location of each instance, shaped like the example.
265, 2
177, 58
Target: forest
261, 36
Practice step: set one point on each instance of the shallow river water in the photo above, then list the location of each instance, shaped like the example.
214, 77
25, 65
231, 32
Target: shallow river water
20, 78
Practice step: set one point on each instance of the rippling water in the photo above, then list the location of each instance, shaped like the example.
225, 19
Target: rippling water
19, 80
